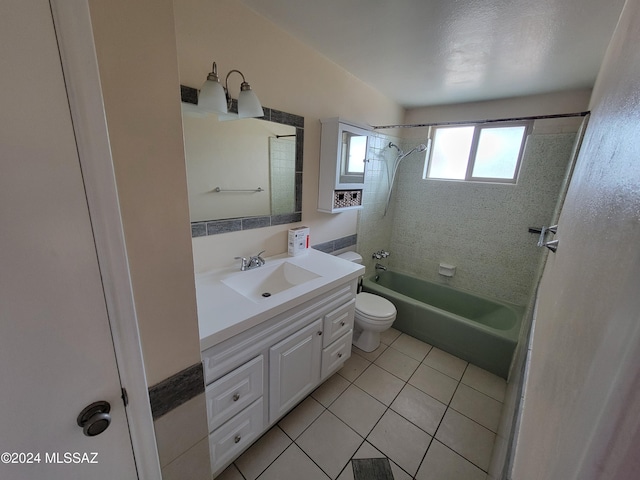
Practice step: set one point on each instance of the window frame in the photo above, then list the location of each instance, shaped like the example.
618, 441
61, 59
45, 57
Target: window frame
473, 150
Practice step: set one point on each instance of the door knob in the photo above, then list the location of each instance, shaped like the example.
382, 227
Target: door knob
95, 418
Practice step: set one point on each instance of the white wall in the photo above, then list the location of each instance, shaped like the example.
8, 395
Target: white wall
288, 76
582, 398
138, 73
571, 101
136, 50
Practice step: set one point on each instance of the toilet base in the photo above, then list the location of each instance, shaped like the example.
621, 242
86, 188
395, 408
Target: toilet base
366, 340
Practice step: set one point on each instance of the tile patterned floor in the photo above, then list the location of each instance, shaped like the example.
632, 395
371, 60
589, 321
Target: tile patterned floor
432, 414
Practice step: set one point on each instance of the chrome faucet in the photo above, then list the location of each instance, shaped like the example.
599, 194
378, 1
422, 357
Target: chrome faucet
380, 254
251, 262
379, 266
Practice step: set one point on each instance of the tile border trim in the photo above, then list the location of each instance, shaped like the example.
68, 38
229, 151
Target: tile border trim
175, 390
337, 244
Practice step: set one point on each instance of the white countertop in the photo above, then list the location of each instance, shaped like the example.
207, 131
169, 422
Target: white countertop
223, 312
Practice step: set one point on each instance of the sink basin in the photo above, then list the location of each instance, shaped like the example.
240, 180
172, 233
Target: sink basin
263, 282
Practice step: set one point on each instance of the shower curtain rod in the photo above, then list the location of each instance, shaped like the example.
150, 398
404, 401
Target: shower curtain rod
437, 124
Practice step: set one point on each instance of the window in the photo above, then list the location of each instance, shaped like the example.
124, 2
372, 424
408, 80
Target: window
481, 153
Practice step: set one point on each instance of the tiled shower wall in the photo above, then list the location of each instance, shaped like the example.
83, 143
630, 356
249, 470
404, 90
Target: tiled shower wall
374, 227
481, 228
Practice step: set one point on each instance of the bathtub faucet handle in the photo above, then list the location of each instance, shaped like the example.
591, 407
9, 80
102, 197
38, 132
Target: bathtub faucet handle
380, 254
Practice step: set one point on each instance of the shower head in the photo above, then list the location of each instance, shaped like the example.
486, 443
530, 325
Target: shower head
401, 156
420, 148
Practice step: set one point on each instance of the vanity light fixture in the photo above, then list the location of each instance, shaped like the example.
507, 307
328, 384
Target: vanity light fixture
215, 98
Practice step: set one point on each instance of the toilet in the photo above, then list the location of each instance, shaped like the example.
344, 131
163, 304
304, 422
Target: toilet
374, 314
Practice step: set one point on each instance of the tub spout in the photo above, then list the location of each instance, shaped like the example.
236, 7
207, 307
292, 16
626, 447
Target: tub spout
380, 267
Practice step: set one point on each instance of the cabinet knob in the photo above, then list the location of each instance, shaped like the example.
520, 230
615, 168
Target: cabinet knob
236, 397
320, 333
342, 324
339, 355
237, 439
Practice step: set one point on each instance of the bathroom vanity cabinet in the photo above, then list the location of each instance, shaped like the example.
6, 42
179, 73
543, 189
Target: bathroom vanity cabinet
255, 377
343, 150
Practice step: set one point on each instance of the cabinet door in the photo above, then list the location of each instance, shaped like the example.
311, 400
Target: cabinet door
294, 368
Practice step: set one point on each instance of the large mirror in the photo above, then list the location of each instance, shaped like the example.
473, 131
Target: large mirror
241, 174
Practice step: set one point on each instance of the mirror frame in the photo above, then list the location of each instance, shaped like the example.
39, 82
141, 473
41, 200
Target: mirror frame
215, 227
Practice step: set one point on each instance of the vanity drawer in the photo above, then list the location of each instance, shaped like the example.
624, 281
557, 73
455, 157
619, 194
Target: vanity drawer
235, 391
338, 322
233, 437
336, 354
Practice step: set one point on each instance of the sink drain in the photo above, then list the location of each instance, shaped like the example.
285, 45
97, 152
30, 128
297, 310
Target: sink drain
266, 294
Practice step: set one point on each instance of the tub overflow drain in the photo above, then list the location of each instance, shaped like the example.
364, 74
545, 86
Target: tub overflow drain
266, 294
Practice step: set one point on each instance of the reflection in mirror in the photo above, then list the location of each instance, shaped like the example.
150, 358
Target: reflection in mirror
353, 153
241, 174
231, 167
282, 168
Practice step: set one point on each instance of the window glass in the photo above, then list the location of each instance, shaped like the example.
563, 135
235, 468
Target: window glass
477, 152
450, 156
498, 152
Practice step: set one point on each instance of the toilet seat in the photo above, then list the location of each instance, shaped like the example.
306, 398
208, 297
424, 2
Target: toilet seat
374, 307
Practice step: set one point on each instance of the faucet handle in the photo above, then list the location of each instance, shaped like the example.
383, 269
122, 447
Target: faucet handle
243, 265
259, 258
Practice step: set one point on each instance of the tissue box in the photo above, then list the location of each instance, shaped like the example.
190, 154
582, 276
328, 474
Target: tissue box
298, 241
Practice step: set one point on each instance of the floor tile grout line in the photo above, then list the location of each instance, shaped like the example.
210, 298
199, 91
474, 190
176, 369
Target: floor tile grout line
326, 409
448, 405
469, 418
391, 373
292, 440
483, 393
462, 456
373, 428
387, 408
442, 419
347, 425
351, 458
277, 456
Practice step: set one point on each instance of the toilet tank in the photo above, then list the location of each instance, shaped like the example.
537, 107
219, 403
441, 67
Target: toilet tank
351, 257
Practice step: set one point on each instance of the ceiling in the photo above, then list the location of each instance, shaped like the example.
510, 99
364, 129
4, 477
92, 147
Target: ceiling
432, 52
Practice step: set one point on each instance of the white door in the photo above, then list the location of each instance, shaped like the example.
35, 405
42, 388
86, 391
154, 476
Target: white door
56, 350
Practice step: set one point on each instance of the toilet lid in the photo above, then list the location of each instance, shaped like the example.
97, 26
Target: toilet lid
374, 305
